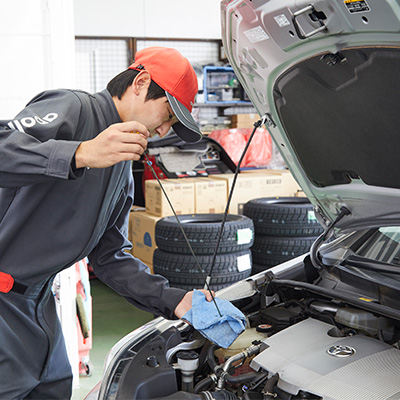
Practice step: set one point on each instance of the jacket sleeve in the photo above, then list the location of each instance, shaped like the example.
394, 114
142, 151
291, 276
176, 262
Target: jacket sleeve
39, 143
127, 275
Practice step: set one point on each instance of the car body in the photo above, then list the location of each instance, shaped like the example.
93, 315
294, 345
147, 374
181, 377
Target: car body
323, 76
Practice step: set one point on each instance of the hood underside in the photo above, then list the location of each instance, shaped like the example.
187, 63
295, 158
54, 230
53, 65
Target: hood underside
342, 119
331, 98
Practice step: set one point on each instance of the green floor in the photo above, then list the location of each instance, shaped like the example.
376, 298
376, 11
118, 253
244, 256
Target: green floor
113, 318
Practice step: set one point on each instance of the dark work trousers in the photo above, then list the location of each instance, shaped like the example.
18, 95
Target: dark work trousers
33, 358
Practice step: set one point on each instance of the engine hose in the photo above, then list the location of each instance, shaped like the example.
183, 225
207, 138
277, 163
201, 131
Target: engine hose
212, 363
269, 387
210, 356
224, 376
234, 379
203, 384
221, 395
231, 379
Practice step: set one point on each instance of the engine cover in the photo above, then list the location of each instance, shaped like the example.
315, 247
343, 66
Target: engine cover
335, 368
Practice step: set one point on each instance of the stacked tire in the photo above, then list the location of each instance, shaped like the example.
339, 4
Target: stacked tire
174, 260
285, 227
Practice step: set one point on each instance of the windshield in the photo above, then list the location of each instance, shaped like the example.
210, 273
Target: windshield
383, 245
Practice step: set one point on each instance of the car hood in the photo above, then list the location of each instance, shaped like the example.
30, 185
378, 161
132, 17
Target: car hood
325, 75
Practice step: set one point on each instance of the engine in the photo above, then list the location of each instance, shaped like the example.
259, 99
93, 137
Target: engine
292, 351
309, 357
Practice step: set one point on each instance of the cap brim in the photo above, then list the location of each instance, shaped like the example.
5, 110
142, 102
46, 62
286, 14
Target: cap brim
186, 128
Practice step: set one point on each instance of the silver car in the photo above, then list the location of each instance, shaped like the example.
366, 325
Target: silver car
324, 77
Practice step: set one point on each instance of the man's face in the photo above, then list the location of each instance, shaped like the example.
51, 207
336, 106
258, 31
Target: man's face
162, 117
156, 115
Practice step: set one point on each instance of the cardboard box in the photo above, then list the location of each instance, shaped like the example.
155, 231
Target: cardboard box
179, 191
142, 234
251, 186
244, 120
209, 194
290, 187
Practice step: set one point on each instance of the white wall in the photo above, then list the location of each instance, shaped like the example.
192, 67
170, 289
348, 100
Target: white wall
196, 19
37, 44
37, 37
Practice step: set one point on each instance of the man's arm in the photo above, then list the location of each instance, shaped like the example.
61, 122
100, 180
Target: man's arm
131, 278
39, 143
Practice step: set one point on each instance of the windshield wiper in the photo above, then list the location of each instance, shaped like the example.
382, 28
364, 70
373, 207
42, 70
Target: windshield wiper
371, 265
347, 297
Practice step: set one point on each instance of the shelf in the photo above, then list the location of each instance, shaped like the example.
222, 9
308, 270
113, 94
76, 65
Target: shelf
221, 87
224, 104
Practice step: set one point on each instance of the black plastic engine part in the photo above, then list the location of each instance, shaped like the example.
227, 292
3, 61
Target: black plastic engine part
279, 317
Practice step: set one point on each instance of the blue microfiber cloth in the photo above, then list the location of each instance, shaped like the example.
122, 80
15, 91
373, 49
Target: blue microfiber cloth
205, 318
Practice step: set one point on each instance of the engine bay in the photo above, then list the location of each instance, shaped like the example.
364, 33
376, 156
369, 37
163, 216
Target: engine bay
329, 331
297, 345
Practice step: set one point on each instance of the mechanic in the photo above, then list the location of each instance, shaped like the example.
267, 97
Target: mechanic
66, 190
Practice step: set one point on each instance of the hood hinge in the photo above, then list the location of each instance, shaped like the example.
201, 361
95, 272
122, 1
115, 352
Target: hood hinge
321, 217
266, 119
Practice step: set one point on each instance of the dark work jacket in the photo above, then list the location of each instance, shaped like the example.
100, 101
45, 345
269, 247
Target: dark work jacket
52, 216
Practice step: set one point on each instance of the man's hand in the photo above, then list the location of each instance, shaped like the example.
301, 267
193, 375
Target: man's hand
186, 303
119, 142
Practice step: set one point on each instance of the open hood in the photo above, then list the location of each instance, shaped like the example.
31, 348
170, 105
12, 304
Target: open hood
326, 76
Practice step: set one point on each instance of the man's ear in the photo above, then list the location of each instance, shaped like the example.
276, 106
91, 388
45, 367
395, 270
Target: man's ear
141, 82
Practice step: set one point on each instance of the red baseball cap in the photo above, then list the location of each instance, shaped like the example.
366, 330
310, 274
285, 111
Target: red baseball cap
173, 72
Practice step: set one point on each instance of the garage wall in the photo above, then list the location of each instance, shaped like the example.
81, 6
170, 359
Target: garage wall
199, 19
37, 37
37, 45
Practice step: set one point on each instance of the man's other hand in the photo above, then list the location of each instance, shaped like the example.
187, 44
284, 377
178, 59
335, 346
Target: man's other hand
186, 303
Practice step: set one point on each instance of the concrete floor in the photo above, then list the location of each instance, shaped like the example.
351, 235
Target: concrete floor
113, 318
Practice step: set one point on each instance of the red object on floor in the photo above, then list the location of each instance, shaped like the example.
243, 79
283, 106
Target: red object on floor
84, 343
